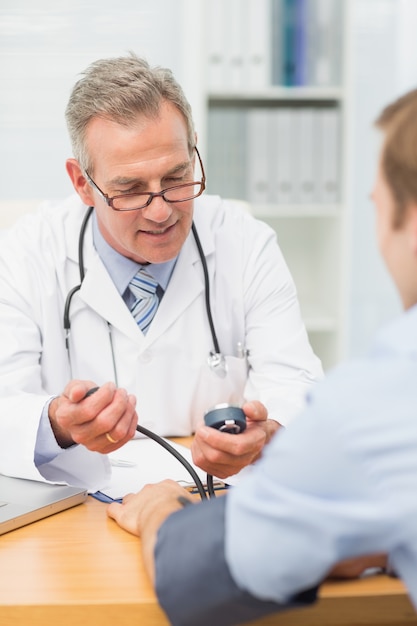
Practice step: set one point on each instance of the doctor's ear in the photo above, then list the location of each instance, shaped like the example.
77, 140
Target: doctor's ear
79, 181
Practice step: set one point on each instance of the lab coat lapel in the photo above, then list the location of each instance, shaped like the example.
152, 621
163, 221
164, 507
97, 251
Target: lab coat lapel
100, 294
98, 290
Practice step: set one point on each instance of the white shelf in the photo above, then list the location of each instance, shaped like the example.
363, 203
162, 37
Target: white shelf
296, 211
279, 93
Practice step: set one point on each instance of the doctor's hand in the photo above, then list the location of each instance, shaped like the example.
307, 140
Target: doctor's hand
223, 454
102, 421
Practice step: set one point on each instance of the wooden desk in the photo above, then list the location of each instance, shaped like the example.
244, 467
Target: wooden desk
78, 567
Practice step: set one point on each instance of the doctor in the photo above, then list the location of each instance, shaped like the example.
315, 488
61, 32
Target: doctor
222, 322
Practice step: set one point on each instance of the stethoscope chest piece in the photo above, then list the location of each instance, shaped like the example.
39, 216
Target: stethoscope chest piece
217, 363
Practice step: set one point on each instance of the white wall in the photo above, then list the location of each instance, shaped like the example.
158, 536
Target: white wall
383, 64
44, 45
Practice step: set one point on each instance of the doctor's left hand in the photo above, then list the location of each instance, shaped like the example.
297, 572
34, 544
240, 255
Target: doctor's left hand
102, 422
223, 454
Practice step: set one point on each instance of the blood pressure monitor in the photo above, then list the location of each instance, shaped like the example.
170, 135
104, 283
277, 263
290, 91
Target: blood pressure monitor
227, 418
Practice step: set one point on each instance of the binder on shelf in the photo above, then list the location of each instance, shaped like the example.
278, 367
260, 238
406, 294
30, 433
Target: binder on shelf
336, 43
328, 155
226, 154
324, 34
257, 43
216, 38
234, 44
214, 164
239, 40
300, 43
259, 134
289, 38
305, 158
306, 42
236, 166
283, 156
277, 43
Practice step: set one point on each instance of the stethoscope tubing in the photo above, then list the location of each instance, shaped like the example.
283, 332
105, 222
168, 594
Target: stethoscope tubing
67, 306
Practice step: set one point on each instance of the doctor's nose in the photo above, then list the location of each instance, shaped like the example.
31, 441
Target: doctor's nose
158, 209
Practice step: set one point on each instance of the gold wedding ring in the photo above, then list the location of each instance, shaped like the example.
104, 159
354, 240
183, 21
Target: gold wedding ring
110, 438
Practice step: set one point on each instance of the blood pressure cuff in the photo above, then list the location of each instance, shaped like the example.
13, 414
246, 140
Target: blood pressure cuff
193, 581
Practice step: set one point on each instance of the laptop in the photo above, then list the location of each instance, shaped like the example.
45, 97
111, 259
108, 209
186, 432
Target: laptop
25, 501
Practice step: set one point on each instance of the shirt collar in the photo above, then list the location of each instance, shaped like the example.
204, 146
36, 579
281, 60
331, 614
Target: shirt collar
399, 335
121, 269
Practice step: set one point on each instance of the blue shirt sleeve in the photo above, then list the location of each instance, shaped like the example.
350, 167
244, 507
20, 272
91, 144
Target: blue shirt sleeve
323, 490
46, 448
193, 581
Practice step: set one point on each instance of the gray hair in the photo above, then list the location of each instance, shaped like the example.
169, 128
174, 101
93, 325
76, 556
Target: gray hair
119, 89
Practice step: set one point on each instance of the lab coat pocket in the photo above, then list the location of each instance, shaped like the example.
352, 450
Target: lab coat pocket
215, 389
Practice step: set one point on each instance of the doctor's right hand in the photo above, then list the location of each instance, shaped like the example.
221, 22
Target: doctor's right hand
102, 421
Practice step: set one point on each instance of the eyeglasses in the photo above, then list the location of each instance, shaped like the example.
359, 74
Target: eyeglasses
137, 201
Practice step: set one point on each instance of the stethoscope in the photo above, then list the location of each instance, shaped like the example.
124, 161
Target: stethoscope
215, 360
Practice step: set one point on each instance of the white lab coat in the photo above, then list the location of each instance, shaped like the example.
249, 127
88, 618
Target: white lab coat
253, 301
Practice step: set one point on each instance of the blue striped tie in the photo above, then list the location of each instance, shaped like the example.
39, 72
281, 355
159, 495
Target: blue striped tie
143, 287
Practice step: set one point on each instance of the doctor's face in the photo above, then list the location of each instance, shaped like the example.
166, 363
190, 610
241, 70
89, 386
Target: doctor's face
150, 155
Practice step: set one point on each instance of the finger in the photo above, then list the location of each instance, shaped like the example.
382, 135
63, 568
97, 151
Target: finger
114, 510
255, 411
234, 445
126, 516
132, 400
77, 390
91, 391
101, 414
97, 398
81, 418
120, 418
124, 430
107, 406
230, 458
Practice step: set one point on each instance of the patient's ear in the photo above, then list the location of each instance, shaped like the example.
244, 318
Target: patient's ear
80, 182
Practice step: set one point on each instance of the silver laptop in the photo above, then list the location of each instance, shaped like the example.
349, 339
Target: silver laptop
25, 501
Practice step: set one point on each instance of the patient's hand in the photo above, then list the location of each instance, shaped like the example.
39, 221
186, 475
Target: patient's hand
352, 568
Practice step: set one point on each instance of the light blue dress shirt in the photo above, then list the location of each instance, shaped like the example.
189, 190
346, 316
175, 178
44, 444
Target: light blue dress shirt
339, 482
122, 270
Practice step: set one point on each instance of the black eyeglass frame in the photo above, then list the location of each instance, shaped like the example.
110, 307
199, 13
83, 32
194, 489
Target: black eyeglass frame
151, 194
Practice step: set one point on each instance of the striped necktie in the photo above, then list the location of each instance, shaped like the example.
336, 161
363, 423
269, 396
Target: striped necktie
143, 287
